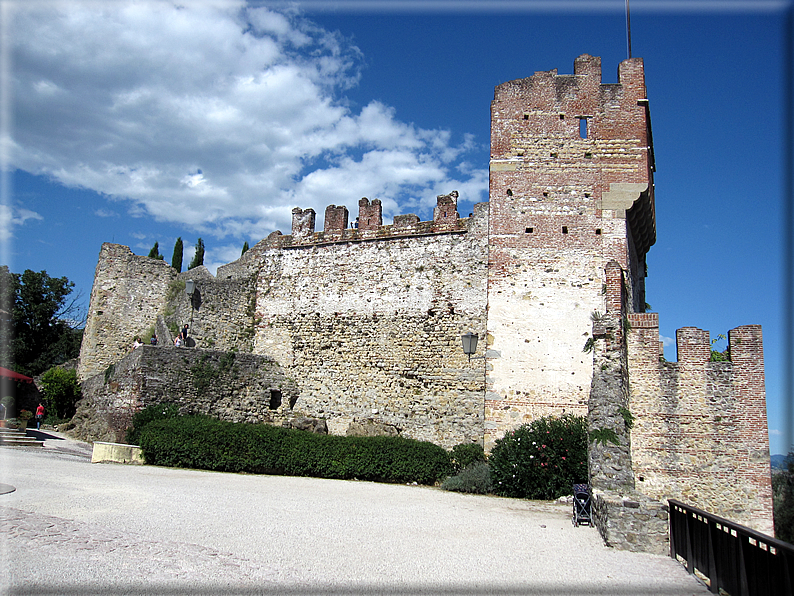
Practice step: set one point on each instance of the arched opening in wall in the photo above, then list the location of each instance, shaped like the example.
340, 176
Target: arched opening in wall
275, 399
292, 401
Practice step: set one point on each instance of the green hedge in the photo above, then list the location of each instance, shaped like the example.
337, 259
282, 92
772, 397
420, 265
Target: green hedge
206, 443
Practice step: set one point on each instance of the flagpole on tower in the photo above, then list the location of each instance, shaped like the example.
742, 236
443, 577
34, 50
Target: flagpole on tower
628, 28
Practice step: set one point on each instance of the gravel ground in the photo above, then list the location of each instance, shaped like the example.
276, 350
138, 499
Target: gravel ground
72, 527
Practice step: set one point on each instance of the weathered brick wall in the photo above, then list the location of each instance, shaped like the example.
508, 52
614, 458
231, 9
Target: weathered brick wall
570, 189
226, 385
700, 433
128, 293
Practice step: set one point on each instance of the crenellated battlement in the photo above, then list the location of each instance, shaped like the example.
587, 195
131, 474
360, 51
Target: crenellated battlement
369, 224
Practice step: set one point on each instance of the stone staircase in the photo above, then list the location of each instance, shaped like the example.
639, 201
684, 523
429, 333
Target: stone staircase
17, 437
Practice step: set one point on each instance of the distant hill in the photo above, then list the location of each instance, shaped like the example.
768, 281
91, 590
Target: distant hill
778, 462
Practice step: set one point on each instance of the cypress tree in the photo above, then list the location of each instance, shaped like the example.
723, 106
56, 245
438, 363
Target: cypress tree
176, 260
155, 252
198, 258
245, 248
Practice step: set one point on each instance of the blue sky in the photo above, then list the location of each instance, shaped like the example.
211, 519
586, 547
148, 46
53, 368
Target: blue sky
141, 122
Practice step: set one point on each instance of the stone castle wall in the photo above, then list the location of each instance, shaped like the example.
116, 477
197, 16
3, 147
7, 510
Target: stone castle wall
366, 321
128, 293
371, 330
226, 385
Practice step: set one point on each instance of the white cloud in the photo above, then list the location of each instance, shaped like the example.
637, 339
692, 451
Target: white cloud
667, 341
775, 432
14, 216
213, 115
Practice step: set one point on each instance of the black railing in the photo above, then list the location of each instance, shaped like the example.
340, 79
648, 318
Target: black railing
735, 559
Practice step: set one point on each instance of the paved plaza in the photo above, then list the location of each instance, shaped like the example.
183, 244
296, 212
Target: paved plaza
72, 527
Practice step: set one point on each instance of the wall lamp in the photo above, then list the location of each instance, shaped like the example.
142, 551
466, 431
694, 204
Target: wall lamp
469, 340
190, 287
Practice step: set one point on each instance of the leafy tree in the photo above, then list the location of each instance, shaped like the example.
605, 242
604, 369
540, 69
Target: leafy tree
41, 323
61, 392
245, 248
155, 252
176, 260
198, 258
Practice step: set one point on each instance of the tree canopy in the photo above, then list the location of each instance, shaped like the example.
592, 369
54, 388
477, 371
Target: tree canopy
198, 258
176, 260
155, 252
40, 321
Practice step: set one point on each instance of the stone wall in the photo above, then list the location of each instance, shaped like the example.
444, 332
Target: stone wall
227, 385
371, 329
128, 293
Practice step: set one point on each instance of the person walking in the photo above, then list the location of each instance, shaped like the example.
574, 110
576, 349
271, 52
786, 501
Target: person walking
39, 416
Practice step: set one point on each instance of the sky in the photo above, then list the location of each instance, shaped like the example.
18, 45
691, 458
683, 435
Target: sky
141, 122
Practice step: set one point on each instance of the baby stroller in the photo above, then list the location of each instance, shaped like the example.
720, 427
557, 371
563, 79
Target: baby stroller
581, 505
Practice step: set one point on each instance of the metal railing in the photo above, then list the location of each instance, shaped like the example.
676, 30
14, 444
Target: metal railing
735, 559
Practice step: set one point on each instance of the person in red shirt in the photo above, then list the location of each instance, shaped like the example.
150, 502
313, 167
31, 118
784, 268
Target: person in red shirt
39, 416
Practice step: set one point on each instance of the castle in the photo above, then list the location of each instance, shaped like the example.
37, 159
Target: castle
362, 325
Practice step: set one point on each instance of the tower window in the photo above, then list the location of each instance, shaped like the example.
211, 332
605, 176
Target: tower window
530, 230
582, 128
564, 229
598, 231
526, 116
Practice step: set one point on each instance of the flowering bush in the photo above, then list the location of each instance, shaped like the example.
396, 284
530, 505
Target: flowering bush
541, 460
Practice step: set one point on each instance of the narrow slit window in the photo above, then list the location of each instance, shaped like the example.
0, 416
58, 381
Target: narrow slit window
582, 128
564, 229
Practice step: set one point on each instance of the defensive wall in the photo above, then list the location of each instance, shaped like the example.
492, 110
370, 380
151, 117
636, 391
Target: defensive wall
365, 318
226, 385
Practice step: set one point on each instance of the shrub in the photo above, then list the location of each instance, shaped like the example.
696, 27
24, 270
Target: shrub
61, 392
149, 414
541, 460
474, 478
465, 454
205, 443
783, 501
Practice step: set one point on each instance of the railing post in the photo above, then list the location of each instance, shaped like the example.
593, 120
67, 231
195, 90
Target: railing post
690, 562
712, 574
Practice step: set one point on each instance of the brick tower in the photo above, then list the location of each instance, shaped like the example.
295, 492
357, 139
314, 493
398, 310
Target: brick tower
571, 188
